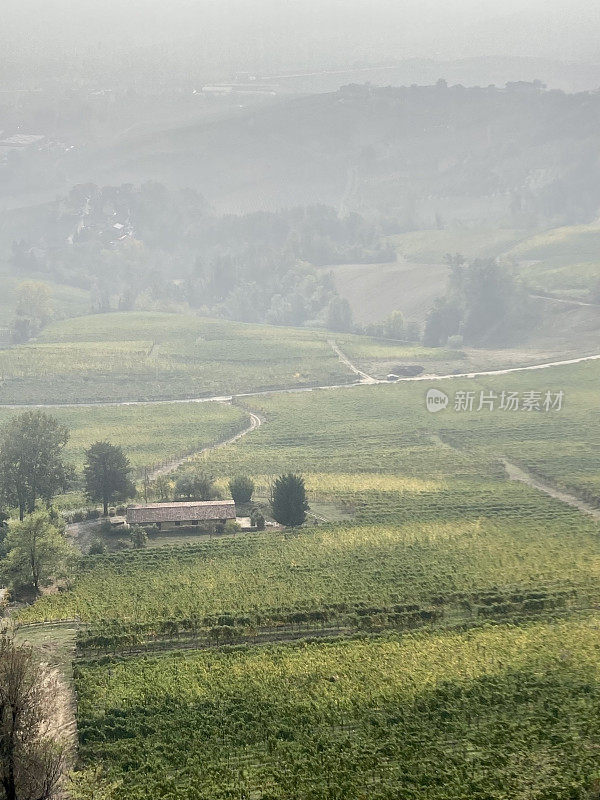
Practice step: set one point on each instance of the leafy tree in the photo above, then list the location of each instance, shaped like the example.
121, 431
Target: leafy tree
338, 315
31, 460
485, 304
242, 489
393, 326
35, 302
162, 489
32, 763
107, 474
289, 501
195, 486
37, 551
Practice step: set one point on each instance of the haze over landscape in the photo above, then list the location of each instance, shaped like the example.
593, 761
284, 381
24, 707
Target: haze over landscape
299, 431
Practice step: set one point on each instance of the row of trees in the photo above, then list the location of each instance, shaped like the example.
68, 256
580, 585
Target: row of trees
288, 493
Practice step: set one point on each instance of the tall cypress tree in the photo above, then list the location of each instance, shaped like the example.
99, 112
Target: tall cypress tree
289, 502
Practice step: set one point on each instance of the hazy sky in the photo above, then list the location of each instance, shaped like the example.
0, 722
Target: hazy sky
281, 33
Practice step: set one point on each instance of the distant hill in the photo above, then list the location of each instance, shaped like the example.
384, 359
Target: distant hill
424, 156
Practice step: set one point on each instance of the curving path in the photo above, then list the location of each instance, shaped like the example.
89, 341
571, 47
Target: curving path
171, 466
365, 380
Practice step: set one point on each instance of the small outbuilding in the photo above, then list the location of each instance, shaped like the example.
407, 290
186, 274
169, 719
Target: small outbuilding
176, 514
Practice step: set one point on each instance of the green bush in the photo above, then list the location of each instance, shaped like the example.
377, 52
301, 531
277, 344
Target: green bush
97, 547
242, 489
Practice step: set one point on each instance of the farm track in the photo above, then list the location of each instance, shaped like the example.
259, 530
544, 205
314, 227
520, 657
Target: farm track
516, 473
366, 380
171, 466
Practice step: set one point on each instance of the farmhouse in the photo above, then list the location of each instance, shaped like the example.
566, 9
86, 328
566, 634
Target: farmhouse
189, 513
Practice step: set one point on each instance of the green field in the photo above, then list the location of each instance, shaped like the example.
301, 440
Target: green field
497, 712
148, 434
458, 652
563, 261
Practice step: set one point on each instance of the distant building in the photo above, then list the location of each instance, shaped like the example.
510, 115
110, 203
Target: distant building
175, 514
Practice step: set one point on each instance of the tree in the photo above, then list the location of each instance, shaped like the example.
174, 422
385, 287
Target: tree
195, 486
393, 326
107, 472
242, 489
31, 460
35, 302
289, 500
32, 762
37, 551
338, 315
162, 489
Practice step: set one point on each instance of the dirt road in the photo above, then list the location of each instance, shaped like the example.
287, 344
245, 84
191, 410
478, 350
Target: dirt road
517, 474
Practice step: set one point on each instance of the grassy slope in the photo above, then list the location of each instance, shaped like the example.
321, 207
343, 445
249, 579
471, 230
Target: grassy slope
155, 356
565, 261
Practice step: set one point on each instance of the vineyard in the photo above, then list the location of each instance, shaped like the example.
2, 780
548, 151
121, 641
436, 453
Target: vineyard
148, 434
124, 357
438, 642
500, 711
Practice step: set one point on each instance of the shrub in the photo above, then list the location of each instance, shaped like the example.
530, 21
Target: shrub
121, 511
97, 547
257, 519
93, 513
78, 516
242, 489
106, 526
231, 526
139, 538
455, 342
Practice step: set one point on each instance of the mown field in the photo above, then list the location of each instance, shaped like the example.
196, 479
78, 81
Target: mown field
448, 644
